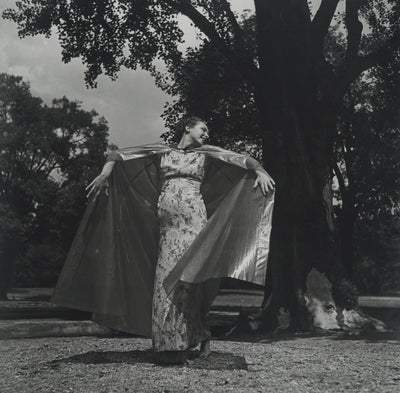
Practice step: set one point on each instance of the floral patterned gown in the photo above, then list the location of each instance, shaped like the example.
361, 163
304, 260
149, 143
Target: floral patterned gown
180, 324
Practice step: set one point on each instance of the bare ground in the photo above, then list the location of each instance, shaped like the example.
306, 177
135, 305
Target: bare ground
297, 363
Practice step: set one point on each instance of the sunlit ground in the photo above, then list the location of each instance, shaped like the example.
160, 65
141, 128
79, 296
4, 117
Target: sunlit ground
331, 363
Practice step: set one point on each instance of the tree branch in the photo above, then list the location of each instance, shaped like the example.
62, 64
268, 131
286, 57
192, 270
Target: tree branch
54, 166
41, 164
321, 22
237, 30
32, 163
349, 71
340, 178
245, 64
354, 29
346, 158
380, 56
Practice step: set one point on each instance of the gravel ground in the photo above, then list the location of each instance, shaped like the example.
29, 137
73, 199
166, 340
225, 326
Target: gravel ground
298, 363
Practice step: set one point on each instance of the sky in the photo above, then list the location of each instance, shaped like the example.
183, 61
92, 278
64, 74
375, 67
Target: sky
132, 104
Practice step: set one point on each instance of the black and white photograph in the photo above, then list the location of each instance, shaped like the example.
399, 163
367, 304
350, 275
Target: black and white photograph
199, 196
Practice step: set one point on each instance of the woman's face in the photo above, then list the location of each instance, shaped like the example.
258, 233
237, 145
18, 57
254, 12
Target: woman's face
198, 133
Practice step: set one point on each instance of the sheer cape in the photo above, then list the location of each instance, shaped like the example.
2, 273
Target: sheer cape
110, 267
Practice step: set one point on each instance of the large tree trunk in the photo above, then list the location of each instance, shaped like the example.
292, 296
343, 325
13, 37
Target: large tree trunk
297, 149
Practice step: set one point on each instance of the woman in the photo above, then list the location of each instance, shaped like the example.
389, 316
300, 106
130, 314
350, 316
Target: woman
162, 187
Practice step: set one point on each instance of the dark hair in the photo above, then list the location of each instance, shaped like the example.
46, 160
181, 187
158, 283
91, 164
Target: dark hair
180, 127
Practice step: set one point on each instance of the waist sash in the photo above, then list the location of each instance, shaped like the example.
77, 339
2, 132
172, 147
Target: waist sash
181, 175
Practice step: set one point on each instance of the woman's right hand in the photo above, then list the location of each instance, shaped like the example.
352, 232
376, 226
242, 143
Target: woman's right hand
101, 181
97, 185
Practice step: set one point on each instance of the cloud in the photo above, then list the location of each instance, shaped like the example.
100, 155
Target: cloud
132, 104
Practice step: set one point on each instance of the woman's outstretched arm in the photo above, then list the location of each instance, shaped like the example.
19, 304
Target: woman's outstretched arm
263, 180
101, 181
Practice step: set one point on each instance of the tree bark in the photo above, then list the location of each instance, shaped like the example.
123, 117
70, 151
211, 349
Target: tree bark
297, 148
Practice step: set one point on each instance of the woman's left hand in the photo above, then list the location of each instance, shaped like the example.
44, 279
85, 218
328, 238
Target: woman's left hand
265, 182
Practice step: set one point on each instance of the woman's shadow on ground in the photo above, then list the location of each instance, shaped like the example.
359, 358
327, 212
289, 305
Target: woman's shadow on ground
215, 361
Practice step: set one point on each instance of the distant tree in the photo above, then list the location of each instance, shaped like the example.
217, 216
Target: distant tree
368, 171
297, 92
47, 155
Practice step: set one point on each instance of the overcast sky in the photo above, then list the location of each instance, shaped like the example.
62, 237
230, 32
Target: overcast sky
132, 104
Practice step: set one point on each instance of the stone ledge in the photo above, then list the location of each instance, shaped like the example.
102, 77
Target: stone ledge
379, 301
50, 328
53, 327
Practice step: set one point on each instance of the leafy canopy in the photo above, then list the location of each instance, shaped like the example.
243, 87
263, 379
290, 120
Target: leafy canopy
48, 153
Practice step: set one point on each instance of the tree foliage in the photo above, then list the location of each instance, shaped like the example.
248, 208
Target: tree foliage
48, 154
207, 84
368, 171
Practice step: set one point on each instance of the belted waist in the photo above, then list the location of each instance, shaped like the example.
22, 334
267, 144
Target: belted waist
181, 175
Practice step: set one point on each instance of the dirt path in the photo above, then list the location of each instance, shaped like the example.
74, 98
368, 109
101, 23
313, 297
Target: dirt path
332, 363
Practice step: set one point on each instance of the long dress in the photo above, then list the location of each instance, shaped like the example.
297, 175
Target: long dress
117, 261
178, 324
